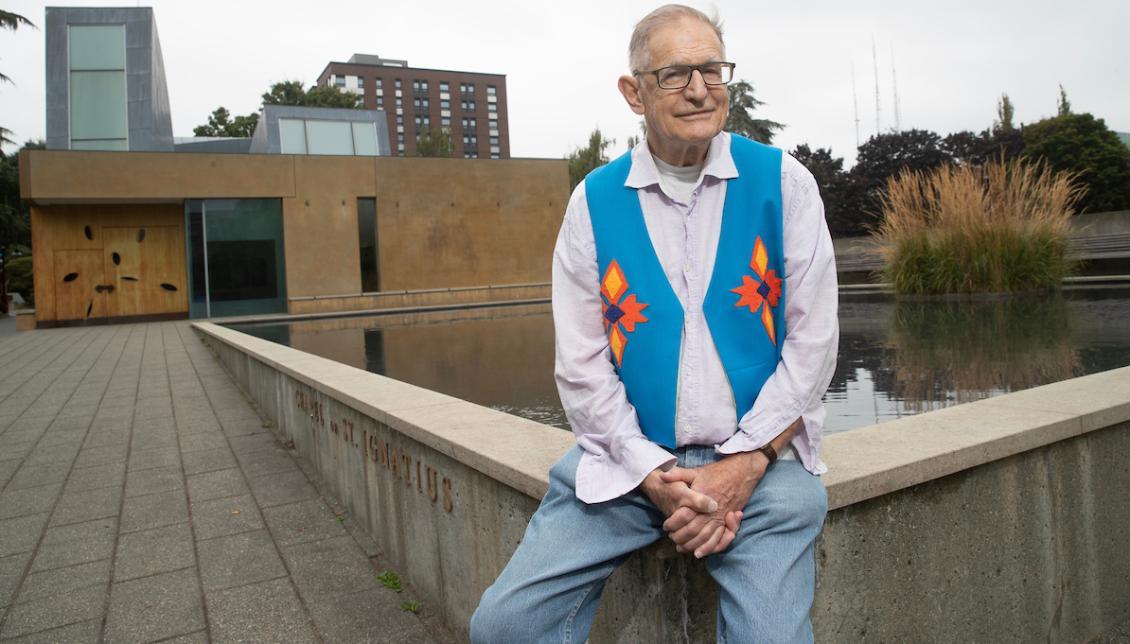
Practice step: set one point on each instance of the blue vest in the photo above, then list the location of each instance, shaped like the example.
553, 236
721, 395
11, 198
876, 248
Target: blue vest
744, 304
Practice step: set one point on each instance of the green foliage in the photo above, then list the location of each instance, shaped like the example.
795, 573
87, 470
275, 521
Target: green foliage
390, 580
18, 272
292, 93
1084, 144
1063, 106
434, 143
965, 229
968, 148
884, 156
15, 217
1004, 115
220, 123
740, 120
834, 185
584, 160
411, 606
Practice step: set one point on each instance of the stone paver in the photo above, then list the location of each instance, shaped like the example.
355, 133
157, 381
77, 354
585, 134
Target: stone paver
142, 498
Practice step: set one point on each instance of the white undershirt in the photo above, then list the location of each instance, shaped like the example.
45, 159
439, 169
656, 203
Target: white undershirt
678, 182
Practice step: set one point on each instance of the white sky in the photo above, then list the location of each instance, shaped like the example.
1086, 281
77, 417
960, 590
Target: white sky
562, 59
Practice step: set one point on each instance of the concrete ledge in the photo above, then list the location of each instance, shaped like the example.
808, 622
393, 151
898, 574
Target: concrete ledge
25, 320
1000, 520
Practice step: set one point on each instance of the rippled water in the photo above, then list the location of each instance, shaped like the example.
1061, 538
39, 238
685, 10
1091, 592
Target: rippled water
896, 358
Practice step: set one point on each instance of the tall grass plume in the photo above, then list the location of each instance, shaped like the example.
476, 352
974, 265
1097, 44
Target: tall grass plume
1001, 227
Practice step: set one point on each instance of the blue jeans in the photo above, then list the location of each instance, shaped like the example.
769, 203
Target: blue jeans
550, 589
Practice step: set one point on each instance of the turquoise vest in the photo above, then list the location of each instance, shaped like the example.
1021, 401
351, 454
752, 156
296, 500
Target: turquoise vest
744, 304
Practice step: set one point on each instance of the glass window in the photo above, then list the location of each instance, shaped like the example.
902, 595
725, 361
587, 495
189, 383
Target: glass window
367, 240
397, 83
118, 145
97, 47
98, 105
365, 139
492, 90
445, 105
492, 107
443, 86
292, 136
339, 81
243, 256
328, 137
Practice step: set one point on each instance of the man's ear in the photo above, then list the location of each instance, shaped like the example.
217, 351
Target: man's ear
630, 88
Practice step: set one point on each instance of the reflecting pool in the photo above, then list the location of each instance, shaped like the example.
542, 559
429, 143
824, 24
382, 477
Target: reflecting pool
896, 357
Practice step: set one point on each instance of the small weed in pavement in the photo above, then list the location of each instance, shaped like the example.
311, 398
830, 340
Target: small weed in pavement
389, 579
411, 606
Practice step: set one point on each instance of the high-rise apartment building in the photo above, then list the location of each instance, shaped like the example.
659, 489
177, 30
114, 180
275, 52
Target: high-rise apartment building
469, 105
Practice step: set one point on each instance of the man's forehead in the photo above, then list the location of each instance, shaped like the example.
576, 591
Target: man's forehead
685, 42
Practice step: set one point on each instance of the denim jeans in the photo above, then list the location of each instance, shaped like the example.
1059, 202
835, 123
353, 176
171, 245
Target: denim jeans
549, 590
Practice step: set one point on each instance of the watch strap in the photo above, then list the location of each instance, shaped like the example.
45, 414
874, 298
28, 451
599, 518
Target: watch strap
769, 452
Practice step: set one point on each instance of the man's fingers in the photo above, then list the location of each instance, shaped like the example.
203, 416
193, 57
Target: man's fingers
705, 531
698, 501
689, 531
709, 534
678, 519
711, 543
678, 474
733, 520
727, 538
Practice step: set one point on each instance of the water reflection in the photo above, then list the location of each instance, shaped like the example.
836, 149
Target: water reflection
895, 358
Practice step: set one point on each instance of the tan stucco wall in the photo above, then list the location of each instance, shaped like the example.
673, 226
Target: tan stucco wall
322, 253
442, 223
446, 222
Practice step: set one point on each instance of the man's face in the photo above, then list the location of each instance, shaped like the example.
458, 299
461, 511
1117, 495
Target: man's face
678, 118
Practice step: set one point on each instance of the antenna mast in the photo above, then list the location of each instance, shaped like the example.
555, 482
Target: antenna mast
895, 88
875, 67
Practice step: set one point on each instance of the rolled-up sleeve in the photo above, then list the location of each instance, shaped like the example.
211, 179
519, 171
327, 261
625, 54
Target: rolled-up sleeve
808, 354
617, 456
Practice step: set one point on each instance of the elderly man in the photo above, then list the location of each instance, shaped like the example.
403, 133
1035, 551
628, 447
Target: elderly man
694, 298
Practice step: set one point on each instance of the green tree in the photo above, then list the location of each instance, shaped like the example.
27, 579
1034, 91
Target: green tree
12, 21
292, 93
883, 156
740, 120
1004, 115
841, 210
1084, 144
220, 123
1063, 106
15, 229
584, 160
434, 143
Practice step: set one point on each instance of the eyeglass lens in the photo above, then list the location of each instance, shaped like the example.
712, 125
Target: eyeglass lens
679, 76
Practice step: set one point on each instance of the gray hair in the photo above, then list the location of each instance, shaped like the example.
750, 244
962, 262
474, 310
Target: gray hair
639, 57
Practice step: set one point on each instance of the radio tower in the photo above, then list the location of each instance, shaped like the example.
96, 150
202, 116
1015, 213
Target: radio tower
855, 104
875, 67
895, 89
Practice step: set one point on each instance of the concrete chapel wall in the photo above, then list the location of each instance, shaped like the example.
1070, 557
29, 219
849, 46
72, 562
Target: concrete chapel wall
1000, 520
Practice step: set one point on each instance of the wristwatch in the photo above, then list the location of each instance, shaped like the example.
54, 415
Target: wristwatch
769, 452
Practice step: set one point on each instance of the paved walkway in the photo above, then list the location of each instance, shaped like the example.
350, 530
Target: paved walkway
142, 499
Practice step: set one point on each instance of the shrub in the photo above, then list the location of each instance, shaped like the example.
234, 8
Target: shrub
965, 229
19, 278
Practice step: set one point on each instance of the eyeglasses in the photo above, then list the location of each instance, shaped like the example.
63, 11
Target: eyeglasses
679, 76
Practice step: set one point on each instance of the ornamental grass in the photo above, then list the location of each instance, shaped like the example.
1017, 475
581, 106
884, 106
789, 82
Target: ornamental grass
997, 228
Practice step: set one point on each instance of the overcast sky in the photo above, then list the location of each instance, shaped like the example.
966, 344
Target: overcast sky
561, 59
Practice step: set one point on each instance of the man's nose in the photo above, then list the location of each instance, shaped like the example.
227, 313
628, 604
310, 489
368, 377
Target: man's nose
696, 90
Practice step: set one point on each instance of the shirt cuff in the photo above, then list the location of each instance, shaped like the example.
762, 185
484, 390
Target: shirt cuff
600, 478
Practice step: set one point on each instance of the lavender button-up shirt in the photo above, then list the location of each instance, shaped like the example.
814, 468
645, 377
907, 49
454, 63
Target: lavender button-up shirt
685, 236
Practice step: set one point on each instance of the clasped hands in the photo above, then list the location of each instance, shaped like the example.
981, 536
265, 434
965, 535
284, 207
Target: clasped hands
703, 505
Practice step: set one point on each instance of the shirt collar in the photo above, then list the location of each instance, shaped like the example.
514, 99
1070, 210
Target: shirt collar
719, 163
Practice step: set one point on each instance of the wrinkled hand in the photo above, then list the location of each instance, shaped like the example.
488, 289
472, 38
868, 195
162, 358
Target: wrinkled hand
730, 482
670, 496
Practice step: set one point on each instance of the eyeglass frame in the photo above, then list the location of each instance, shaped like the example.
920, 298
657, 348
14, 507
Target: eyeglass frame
690, 77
